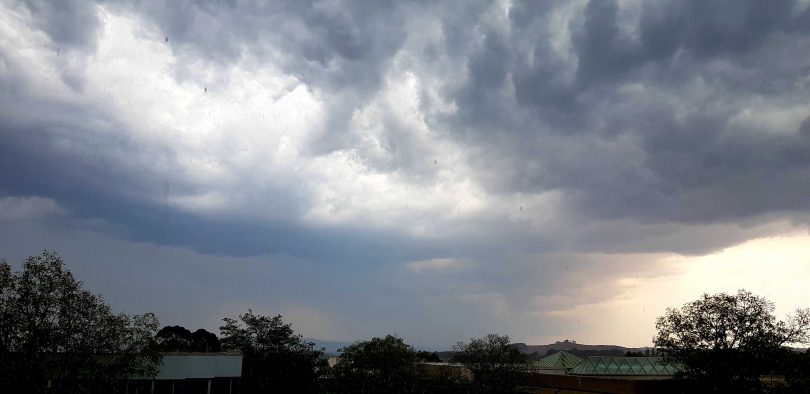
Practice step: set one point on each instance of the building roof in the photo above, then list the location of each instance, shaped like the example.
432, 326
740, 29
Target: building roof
200, 365
624, 366
559, 360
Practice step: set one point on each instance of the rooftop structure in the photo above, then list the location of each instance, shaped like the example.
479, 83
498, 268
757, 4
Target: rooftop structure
559, 360
624, 366
200, 366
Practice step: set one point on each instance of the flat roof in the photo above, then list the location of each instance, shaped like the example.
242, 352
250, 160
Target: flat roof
200, 365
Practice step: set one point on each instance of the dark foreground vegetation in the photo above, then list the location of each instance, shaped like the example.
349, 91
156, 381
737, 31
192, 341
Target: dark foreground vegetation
56, 337
727, 343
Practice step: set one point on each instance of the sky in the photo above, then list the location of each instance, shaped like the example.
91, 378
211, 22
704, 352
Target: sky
436, 169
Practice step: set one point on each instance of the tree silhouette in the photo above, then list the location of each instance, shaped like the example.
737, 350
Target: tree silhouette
275, 359
174, 339
496, 365
57, 337
724, 342
378, 365
204, 341
180, 339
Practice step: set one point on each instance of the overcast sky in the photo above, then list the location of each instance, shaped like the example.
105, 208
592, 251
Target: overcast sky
435, 169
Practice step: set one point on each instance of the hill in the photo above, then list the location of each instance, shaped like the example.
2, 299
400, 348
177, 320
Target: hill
330, 347
578, 349
570, 345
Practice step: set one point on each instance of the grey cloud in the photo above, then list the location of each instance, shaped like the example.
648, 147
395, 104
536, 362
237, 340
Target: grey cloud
625, 155
804, 129
480, 100
328, 45
531, 117
646, 131
715, 27
603, 53
102, 174
340, 49
70, 24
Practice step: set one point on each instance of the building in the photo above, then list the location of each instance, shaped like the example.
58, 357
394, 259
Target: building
604, 374
559, 363
193, 373
638, 367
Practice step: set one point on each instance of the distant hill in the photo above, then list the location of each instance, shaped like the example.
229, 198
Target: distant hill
330, 347
568, 346
579, 349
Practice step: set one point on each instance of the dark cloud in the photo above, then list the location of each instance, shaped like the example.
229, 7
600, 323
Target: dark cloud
330, 46
462, 162
602, 52
102, 173
631, 116
481, 100
671, 151
712, 28
70, 24
91, 186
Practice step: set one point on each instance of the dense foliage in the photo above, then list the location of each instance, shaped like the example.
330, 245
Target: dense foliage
496, 365
275, 358
795, 367
725, 342
180, 339
57, 337
428, 357
378, 365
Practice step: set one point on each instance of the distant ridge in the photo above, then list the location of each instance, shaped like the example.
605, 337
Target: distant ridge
580, 349
568, 346
577, 349
330, 347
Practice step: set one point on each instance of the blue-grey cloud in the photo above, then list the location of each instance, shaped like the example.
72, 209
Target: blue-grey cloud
521, 139
632, 115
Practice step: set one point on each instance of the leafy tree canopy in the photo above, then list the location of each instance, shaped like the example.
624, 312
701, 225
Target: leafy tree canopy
173, 339
275, 359
496, 364
430, 357
726, 341
180, 339
57, 337
378, 365
204, 341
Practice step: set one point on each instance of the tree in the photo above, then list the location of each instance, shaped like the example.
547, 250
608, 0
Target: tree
57, 337
725, 342
204, 341
796, 370
428, 357
497, 366
174, 339
275, 359
180, 339
378, 365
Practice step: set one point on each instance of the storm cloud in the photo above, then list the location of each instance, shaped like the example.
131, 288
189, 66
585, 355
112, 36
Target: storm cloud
475, 156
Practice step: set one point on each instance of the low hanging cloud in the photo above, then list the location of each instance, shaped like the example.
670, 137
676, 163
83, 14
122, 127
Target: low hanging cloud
28, 208
483, 143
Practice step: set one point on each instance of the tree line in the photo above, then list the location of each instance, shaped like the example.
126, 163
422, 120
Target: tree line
57, 337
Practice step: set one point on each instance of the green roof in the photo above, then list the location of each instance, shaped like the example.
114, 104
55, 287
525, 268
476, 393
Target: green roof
559, 360
624, 366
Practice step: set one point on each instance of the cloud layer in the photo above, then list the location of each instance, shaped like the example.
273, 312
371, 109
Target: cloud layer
474, 157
